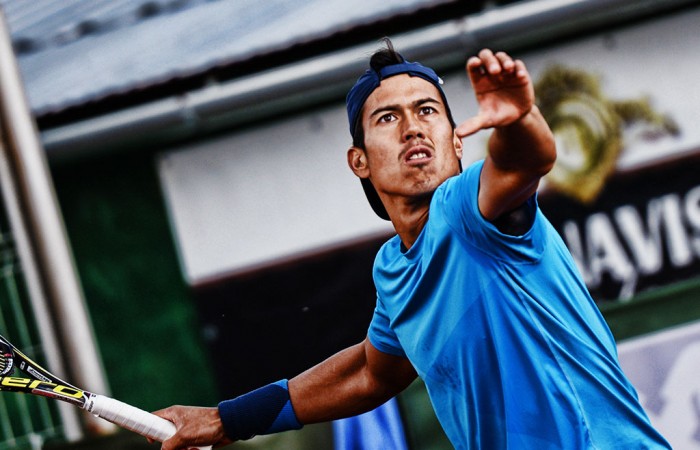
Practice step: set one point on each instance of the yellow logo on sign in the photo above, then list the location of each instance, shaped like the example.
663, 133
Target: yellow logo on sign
588, 128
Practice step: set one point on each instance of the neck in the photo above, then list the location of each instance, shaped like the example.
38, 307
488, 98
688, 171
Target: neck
409, 222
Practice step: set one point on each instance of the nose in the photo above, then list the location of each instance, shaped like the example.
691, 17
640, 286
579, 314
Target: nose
412, 128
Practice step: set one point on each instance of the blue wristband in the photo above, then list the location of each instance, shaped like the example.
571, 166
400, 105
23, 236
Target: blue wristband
263, 411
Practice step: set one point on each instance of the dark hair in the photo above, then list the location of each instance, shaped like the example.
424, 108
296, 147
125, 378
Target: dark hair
385, 57
380, 59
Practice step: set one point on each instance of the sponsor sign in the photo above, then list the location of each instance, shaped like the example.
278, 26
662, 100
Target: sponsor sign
624, 193
642, 231
664, 369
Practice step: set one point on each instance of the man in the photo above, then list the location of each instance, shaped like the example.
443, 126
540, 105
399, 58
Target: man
476, 293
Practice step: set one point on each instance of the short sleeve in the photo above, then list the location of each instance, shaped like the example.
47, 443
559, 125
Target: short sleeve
458, 201
381, 335
460, 198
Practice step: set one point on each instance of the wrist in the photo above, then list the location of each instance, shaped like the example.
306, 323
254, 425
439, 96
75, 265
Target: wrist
524, 120
263, 411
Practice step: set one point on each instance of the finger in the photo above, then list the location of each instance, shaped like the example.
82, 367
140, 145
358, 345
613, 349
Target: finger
490, 61
169, 414
469, 127
520, 69
506, 61
167, 445
172, 443
475, 67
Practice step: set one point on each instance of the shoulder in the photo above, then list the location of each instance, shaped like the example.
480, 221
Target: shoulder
464, 186
456, 200
465, 189
390, 247
387, 254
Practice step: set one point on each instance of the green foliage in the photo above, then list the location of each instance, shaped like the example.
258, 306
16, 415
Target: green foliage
144, 318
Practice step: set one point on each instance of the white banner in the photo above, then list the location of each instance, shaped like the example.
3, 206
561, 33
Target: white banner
282, 189
664, 368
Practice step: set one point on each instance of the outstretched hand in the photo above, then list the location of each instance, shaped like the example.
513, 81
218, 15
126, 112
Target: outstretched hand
503, 90
196, 427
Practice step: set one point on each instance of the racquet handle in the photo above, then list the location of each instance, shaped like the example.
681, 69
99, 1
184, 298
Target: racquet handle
132, 418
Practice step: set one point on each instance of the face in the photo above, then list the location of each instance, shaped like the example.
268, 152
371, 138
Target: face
410, 146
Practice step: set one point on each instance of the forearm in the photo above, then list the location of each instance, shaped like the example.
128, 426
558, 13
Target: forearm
351, 382
525, 147
346, 384
519, 155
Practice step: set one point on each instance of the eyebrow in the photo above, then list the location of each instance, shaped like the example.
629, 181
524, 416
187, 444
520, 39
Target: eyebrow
395, 107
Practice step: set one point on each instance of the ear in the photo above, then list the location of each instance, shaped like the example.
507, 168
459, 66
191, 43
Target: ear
357, 161
459, 146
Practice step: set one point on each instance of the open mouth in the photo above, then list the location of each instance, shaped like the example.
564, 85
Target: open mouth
418, 155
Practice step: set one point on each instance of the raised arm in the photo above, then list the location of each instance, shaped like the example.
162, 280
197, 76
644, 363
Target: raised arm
521, 148
353, 381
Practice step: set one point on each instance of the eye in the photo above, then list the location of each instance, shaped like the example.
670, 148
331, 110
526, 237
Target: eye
387, 118
425, 110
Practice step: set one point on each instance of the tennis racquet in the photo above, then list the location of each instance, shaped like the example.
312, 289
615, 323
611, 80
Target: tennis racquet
40, 381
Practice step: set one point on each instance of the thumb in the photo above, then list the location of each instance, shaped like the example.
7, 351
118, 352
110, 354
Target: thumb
470, 126
168, 415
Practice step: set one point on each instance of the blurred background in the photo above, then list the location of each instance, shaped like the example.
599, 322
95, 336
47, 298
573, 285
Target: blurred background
192, 232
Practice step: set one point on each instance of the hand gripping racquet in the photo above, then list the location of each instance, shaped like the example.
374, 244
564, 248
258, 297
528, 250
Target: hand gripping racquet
40, 381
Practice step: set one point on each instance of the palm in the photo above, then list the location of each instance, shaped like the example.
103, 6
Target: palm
503, 99
504, 94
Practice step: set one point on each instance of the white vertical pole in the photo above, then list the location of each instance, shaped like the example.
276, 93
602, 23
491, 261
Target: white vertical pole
47, 333
54, 279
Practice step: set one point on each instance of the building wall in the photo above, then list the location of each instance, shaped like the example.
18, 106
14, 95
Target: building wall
146, 324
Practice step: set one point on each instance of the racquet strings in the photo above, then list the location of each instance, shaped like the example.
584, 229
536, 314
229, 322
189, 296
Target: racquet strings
6, 360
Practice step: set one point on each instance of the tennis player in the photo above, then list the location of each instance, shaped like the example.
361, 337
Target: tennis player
476, 293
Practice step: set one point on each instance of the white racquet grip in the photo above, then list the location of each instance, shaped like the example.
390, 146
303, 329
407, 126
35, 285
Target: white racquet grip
132, 418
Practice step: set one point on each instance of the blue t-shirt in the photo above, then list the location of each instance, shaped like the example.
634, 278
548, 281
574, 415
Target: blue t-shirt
512, 349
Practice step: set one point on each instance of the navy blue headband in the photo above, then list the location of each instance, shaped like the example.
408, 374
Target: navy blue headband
368, 82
